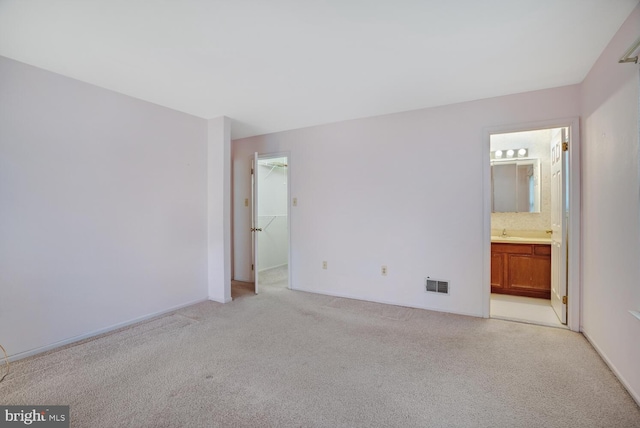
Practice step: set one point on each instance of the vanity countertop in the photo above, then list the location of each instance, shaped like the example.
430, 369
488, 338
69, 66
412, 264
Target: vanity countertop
506, 236
519, 240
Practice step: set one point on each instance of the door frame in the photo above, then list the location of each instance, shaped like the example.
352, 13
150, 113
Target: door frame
574, 256
262, 156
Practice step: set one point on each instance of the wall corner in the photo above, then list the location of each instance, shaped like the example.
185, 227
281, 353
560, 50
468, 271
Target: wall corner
219, 208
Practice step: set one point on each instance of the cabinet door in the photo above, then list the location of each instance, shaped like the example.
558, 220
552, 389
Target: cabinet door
497, 271
520, 267
541, 273
529, 275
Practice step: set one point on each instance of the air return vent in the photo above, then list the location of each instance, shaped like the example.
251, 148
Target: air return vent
436, 286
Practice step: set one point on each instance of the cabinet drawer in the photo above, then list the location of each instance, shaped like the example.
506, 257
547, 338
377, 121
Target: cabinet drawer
542, 250
512, 248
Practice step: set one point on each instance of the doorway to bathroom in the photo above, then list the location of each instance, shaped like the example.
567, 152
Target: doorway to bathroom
270, 221
531, 269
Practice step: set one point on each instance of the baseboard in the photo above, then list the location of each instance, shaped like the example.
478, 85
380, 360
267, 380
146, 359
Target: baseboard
613, 368
404, 305
93, 333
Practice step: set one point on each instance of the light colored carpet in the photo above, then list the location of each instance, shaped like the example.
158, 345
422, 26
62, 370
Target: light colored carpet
278, 277
291, 359
241, 289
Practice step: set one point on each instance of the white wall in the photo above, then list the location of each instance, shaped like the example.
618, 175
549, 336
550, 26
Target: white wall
610, 207
403, 190
103, 208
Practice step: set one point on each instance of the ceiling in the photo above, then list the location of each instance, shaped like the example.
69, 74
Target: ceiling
284, 64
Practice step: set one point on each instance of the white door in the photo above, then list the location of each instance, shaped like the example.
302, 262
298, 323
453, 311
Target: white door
559, 225
255, 230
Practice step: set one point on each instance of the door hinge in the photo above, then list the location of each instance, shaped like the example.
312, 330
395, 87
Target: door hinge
565, 147
251, 171
564, 300
251, 267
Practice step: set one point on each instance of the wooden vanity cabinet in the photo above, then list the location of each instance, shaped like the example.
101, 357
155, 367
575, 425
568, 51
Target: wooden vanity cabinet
521, 269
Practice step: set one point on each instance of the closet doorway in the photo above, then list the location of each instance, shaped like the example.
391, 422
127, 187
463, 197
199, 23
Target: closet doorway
270, 221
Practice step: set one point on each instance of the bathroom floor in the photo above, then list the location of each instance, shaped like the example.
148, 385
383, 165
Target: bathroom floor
524, 309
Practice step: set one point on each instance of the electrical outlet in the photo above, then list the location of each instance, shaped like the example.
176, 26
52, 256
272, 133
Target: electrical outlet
324, 265
383, 271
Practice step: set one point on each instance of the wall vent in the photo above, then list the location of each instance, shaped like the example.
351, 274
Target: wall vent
436, 286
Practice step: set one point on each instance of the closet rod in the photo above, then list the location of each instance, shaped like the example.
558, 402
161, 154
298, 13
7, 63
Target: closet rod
626, 58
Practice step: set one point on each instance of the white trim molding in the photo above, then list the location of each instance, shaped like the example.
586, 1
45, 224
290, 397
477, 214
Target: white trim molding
574, 282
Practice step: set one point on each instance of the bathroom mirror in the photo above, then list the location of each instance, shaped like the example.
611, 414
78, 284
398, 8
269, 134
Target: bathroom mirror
515, 186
